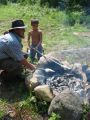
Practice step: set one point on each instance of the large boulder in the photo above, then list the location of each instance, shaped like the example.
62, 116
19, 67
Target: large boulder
68, 105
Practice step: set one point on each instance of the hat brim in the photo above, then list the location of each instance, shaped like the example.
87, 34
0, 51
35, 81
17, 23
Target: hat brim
22, 27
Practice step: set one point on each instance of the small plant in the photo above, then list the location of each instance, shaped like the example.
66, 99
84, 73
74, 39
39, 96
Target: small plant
1, 114
55, 116
86, 111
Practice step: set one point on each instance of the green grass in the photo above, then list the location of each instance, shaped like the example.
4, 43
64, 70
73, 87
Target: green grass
3, 105
53, 23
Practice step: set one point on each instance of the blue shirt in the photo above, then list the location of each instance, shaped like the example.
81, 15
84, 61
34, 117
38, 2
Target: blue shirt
10, 47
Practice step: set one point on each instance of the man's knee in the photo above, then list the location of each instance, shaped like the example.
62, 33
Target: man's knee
10, 65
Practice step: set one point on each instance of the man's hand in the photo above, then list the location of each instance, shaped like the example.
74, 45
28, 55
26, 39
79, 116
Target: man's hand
31, 66
27, 64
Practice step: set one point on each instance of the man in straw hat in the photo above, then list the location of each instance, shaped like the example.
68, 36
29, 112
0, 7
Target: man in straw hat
11, 55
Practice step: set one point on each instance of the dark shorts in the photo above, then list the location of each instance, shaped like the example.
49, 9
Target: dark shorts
33, 52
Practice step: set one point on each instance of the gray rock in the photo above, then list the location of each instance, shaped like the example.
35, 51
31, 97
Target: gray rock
67, 105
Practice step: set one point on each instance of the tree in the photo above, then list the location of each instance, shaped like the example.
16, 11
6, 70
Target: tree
3, 2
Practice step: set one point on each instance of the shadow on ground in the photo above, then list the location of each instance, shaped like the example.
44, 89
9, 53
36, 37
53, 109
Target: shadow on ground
13, 91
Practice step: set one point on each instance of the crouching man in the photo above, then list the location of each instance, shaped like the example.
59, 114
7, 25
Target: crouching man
11, 55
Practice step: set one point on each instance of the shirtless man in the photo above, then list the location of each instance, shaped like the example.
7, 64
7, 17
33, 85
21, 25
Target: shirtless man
35, 40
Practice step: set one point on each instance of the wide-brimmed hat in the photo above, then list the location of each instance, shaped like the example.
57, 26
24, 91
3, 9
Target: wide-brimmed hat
17, 24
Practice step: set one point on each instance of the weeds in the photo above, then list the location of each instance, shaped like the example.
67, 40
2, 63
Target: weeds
86, 112
55, 117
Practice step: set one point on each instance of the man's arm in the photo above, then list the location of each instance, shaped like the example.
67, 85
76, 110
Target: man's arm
27, 64
14, 52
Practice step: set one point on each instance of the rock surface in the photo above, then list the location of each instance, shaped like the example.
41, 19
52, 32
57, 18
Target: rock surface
67, 105
44, 92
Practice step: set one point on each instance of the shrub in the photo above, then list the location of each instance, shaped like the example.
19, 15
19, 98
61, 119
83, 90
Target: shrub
24, 2
4, 2
51, 3
55, 116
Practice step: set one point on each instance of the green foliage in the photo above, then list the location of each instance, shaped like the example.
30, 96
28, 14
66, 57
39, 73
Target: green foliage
73, 18
24, 2
32, 103
2, 108
4, 2
50, 3
55, 116
1, 114
86, 110
68, 4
